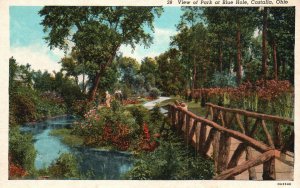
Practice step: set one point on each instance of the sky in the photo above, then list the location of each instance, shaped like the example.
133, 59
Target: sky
28, 46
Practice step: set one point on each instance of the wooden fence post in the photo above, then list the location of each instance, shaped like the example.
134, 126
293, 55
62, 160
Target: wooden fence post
187, 128
269, 170
216, 144
202, 138
249, 156
277, 136
224, 147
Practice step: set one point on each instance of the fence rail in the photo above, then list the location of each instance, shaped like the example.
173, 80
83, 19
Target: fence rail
213, 135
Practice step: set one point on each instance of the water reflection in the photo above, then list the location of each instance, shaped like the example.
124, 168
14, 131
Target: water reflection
93, 163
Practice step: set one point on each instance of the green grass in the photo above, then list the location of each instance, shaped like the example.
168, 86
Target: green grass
67, 138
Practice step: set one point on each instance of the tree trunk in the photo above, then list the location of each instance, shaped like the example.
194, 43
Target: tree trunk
221, 59
76, 80
283, 69
230, 62
194, 74
275, 61
264, 44
205, 67
95, 85
102, 68
238, 44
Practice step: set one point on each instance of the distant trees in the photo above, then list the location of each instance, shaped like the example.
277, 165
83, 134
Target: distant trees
149, 70
171, 75
36, 94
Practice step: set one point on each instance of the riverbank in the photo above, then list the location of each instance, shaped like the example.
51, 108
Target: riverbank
67, 137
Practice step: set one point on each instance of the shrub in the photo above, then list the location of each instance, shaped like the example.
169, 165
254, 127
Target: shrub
269, 97
15, 171
21, 150
140, 114
71, 92
64, 167
29, 105
170, 161
81, 107
23, 108
154, 93
107, 127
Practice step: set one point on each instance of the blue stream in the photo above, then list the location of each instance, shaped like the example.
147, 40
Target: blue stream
94, 163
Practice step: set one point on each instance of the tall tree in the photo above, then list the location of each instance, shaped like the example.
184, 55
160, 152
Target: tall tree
281, 37
128, 68
98, 32
264, 44
149, 68
224, 21
193, 43
171, 75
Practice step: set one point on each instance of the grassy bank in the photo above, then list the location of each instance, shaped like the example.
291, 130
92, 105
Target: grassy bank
68, 138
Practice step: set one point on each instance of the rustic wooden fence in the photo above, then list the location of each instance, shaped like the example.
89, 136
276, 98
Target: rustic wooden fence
221, 126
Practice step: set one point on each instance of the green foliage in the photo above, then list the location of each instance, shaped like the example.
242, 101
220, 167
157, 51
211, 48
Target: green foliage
36, 95
28, 105
21, 149
106, 127
252, 71
81, 107
116, 106
99, 32
149, 70
140, 114
171, 161
154, 93
23, 109
65, 167
130, 77
171, 78
281, 34
70, 93
223, 80
156, 115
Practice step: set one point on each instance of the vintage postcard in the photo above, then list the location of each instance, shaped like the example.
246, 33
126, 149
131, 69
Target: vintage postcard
185, 93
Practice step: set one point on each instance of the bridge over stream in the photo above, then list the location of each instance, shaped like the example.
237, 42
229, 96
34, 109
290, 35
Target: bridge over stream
244, 145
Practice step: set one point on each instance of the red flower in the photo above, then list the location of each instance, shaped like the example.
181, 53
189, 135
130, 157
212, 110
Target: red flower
146, 132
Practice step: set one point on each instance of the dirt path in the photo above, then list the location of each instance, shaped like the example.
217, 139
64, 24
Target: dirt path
151, 104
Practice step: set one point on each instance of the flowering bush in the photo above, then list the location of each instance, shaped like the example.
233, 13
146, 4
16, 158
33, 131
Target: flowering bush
130, 101
107, 127
16, 171
117, 127
273, 97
